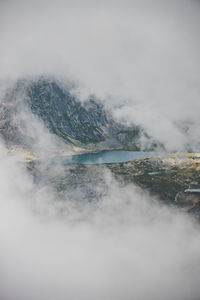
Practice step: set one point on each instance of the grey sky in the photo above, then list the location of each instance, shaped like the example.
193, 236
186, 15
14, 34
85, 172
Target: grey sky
143, 51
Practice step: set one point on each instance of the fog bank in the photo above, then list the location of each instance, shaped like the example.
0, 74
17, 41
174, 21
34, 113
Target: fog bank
123, 247
141, 56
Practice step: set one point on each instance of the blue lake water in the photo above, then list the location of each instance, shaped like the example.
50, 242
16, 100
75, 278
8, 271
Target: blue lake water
111, 156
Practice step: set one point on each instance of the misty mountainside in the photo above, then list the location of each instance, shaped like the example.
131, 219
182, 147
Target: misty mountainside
86, 124
173, 179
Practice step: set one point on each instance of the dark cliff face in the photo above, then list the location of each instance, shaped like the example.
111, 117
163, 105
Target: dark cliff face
65, 115
85, 124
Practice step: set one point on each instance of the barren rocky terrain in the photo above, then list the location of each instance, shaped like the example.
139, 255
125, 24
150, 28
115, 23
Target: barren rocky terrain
174, 179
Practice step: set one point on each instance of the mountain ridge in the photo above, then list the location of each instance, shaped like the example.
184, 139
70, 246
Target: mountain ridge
88, 124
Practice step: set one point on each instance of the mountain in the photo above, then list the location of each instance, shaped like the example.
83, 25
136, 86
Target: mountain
67, 117
31, 108
86, 124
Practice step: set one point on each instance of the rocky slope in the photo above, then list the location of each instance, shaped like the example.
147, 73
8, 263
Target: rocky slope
86, 124
173, 180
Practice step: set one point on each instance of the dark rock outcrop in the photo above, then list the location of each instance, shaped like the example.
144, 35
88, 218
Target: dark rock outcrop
85, 124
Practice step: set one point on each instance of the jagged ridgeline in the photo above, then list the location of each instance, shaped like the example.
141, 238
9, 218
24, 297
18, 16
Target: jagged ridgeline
85, 124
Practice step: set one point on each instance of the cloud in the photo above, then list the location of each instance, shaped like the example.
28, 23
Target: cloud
142, 51
143, 55
124, 246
